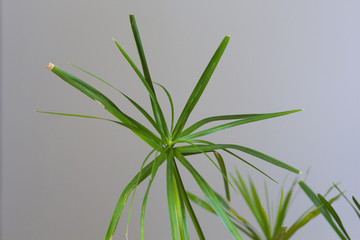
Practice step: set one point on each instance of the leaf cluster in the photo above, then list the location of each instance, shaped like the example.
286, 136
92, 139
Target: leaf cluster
269, 219
172, 144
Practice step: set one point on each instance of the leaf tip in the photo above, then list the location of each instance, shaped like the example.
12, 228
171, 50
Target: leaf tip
113, 39
50, 66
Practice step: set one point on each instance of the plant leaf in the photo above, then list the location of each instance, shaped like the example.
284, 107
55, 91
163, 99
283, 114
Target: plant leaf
188, 205
204, 121
200, 87
171, 194
171, 103
209, 194
137, 131
238, 122
102, 99
141, 109
223, 169
159, 116
154, 169
211, 148
126, 193
323, 210
333, 213
133, 195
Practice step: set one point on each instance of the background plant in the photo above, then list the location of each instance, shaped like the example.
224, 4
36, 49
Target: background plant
172, 143
269, 217
328, 212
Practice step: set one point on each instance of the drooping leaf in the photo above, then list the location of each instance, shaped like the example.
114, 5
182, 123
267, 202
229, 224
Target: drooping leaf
126, 193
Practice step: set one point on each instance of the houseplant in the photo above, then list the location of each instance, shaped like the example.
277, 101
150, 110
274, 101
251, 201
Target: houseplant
173, 143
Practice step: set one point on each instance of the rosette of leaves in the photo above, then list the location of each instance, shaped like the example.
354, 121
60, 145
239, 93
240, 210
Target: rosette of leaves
172, 143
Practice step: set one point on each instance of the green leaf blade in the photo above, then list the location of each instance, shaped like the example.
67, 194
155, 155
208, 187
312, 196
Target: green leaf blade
200, 87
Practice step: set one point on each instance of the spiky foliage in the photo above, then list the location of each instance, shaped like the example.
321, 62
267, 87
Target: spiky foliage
328, 212
172, 144
269, 220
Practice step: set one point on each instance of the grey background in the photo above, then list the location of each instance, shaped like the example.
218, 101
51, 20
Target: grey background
61, 177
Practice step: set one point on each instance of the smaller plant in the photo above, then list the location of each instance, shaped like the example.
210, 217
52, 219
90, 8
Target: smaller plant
270, 221
329, 212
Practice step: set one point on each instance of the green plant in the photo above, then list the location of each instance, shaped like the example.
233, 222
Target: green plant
329, 212
270, 220
171, 143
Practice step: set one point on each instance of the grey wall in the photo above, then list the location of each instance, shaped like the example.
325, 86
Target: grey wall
61, 177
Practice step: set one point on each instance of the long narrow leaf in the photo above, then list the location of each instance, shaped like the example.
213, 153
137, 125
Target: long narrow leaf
233, 154
171, 104
204, 121
171, 195
333, 213
141, 109
188, 205
318, 203
200, 87
238, 122
222, 166
356, 202
99, 97
139, 132
210, 195
211, 148
154, 169
133, 195
126, 193
180, 209
159, 116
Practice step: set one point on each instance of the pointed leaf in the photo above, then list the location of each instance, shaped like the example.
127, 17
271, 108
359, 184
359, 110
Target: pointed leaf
200, 87
238, 122
211, 148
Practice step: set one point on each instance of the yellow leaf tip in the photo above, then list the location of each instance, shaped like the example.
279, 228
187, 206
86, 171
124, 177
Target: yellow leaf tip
50, 66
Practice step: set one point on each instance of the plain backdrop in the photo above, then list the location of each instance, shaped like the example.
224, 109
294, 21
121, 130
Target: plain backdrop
61, 176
